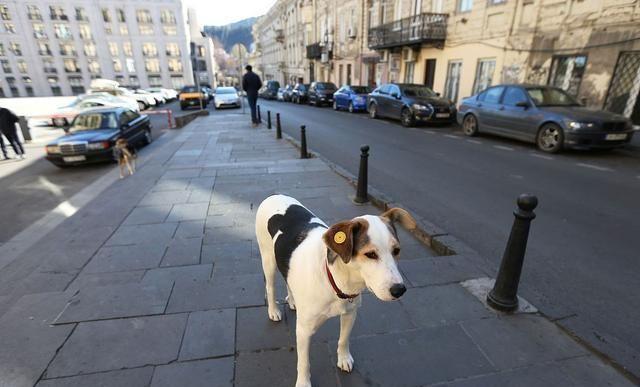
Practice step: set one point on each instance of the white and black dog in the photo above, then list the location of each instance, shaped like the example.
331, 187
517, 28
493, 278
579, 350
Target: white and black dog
306, 251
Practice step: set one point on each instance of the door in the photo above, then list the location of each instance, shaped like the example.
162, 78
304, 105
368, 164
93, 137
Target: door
488, 105
382, 100
453, 80
130, 130
341, 96
429, 72
371, 75
623, 96
517, 121
395, 103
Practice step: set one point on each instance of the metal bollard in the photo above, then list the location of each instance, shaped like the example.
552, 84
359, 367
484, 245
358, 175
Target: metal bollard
259, 116
268, 119
361, 192
24, 128
278, 127
504, 295
303, 142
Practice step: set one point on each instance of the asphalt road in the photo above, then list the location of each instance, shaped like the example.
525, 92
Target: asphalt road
32, 188
582, 265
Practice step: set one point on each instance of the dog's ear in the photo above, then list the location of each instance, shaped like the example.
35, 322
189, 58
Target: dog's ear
344, 238
398, 215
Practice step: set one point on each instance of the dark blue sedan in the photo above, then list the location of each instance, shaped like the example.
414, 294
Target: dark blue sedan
352, 98
92, 134
545, 115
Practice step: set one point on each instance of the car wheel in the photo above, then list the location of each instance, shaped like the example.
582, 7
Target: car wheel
351, 107
470, 125
148, 138
550, 138
373, 111
406, 117
335, 105
141, 105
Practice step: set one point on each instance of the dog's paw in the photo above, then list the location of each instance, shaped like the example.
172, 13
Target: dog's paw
345, 362
292, 304
275, 314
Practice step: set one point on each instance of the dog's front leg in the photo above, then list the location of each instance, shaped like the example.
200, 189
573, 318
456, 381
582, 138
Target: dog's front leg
345, 360
304, 331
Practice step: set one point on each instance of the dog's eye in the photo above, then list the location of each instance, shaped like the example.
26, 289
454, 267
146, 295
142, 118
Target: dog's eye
371, 254
396, 251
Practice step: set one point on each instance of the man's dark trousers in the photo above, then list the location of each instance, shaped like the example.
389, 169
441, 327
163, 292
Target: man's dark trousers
14, 140
253, 100
3, 147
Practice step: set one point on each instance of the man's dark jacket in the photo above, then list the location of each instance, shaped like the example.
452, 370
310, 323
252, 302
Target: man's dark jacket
251, 83
7, 121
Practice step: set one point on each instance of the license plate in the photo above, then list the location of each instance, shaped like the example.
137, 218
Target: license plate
616, 136
442, 115
71, 159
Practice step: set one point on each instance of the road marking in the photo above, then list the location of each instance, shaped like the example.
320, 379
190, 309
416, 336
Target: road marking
596, 167
475, 141
541, 156
430, 131
517, 176
503, 147
452, 136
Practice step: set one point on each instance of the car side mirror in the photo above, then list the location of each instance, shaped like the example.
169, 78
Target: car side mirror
523, 104
395, 95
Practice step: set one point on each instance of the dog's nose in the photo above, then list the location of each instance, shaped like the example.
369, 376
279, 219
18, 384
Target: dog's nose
397, 290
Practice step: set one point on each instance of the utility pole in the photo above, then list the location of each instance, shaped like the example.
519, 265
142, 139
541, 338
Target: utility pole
194, 65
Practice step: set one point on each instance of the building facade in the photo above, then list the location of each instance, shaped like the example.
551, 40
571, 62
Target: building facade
202, 51
57, 47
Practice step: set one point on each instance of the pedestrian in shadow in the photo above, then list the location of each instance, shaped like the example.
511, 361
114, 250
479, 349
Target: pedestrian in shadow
251, 83
5, 156
8, 122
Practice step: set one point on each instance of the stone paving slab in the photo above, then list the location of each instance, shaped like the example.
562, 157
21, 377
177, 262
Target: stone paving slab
178, 273
440, 270
126, 258
137, 377
155, 234
209, 334
147, 215
202, 373
182, 251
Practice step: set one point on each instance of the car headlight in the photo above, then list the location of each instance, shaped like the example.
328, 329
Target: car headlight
416, 106
576, 125
98, 145
52, 149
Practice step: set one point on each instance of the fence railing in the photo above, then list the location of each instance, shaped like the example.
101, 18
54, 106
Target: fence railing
423, 28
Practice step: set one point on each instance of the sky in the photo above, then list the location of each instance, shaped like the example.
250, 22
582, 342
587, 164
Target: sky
221, 12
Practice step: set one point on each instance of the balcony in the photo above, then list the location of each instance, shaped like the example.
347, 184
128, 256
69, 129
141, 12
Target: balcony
429, 28
314, 51
279, 35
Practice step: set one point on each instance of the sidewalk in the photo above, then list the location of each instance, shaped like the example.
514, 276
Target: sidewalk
157, 281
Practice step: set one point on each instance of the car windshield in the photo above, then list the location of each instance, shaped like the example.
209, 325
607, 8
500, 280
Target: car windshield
189, 89
418, 91
548, 96
325, 86
360, 89
302, 87
94, 121
225, 90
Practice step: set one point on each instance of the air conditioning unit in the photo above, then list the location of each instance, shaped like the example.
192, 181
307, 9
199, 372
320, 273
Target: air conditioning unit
351, 33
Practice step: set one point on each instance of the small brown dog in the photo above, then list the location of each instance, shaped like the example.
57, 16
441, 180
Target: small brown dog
126, 156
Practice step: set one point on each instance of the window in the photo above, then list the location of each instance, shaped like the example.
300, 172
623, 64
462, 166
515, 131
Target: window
11, 81
133, 81
94, 67
55, 87
175, 65
496, 2
201, 51
170, 30
2, 52
145, 29
493, 95
71, 65
484, 75
113, 48
120, 15
123, 29
90, 49
566, 72
155, 81
152, 65
28, 87
85, 31
143, 16
131, 65
22, 66
15, 48
452, 84
10, 28
76, 85
81, 14
33, 12
149, 49
48, 66
126, 48
57, 13
106, 16
167, 17
67, 49
6, 67
44, 49
408, 71
108, 29
173, 49
62, 31
4, 12
465, 5
39, 31
177, 82
117, 65
513, 96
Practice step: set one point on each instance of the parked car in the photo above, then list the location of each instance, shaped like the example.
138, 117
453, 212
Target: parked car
209, 92
64, 115
158, 98
100, 85
410, 103
321, 93
192, 96
300, 93
93, 133
169, 94
226, 96
287, 93
544, 115
280, 94
352, 98
269, 90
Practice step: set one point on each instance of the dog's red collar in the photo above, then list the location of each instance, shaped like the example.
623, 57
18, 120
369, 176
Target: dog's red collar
335, 287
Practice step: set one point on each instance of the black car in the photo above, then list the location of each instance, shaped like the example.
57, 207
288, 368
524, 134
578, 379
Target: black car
411, 104
545, 115
321, 93
92, 134
300, 93
269, 90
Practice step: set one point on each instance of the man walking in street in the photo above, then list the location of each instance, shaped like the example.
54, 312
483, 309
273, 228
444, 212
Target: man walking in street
251, 83
8, 127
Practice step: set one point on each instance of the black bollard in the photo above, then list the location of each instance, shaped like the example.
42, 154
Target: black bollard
259, 116
303, 142
278, 127
504, 295
268, 119
361, 192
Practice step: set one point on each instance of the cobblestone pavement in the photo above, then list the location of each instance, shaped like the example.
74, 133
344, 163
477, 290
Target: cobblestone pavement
158, 282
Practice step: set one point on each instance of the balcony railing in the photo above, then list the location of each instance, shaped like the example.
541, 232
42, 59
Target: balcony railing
314, 51
424, 28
